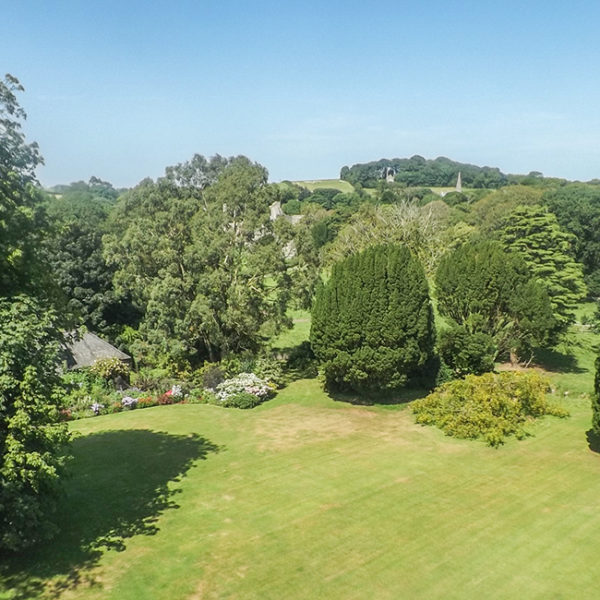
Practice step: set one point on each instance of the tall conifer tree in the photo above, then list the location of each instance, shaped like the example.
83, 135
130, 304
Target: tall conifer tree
372, 325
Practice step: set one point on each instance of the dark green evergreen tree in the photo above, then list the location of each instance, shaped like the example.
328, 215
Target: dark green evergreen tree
487, 290
534, 233
372, 323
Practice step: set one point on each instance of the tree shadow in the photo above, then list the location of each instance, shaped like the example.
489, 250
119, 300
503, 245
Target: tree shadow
392, 398
118, 488
593, 440
557, 362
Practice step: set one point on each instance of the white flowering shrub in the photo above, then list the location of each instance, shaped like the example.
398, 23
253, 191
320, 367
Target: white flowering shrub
96, 408
129, 402
240, 391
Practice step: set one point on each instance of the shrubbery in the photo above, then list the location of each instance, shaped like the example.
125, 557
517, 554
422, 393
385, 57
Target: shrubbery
491, 406
110, 368
465, 352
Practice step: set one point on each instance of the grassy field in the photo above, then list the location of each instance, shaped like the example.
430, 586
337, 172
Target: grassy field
307, 497
336, 184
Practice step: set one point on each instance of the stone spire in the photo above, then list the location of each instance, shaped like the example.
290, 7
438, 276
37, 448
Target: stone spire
459, 183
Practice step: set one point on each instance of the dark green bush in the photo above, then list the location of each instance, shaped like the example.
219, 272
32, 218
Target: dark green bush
372, 323
491, 406
242, 400
466, 352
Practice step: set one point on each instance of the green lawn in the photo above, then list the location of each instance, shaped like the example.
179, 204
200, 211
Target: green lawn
307, 497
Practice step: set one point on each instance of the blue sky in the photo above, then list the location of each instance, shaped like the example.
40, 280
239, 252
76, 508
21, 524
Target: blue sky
121, 90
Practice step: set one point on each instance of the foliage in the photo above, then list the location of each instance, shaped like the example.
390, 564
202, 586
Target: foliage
466, 352
534, 233
214, 278
74, 250
32, 440
577, 208
22, 220
243, 391
492, 406
372, 324
425, 230
417, 171
487, 290
489, 213
109, 368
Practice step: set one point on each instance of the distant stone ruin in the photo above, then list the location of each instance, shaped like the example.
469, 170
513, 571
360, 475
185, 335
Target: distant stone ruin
388, 173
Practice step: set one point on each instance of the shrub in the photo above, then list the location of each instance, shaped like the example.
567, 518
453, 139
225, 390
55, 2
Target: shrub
244, 383
465, 352
151, 380
492, 406
372, 323
210, 375
270, 369
242, 400
147, 402
110, 368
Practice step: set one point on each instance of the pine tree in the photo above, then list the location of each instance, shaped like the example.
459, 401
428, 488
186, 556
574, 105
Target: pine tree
548, 252
372, 323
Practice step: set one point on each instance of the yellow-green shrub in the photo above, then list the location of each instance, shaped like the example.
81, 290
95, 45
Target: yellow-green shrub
492, 406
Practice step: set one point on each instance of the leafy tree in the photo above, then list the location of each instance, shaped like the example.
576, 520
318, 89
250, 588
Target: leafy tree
75, 252
31, 439
418, 171
204, 265
372, 323
424, 229
489, 213
21, 216
577, 208
485, 289
534, 233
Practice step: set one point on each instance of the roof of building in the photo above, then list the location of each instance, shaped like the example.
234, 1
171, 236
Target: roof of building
84, 350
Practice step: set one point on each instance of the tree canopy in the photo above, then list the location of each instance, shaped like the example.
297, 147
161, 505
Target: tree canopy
535, 234
204, 265
31, 437
485, 289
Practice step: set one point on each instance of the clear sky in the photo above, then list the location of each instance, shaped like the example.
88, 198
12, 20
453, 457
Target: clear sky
122, 89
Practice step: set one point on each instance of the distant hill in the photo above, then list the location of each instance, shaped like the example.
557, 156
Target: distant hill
419, 171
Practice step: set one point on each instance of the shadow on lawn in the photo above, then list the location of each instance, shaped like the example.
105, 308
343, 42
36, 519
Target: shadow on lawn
593, 440
119, 487
557, 362
380, 399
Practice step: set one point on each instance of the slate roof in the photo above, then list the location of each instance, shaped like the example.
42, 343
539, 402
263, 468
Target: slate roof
86, 350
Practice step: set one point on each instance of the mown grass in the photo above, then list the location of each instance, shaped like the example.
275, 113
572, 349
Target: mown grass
308, 497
